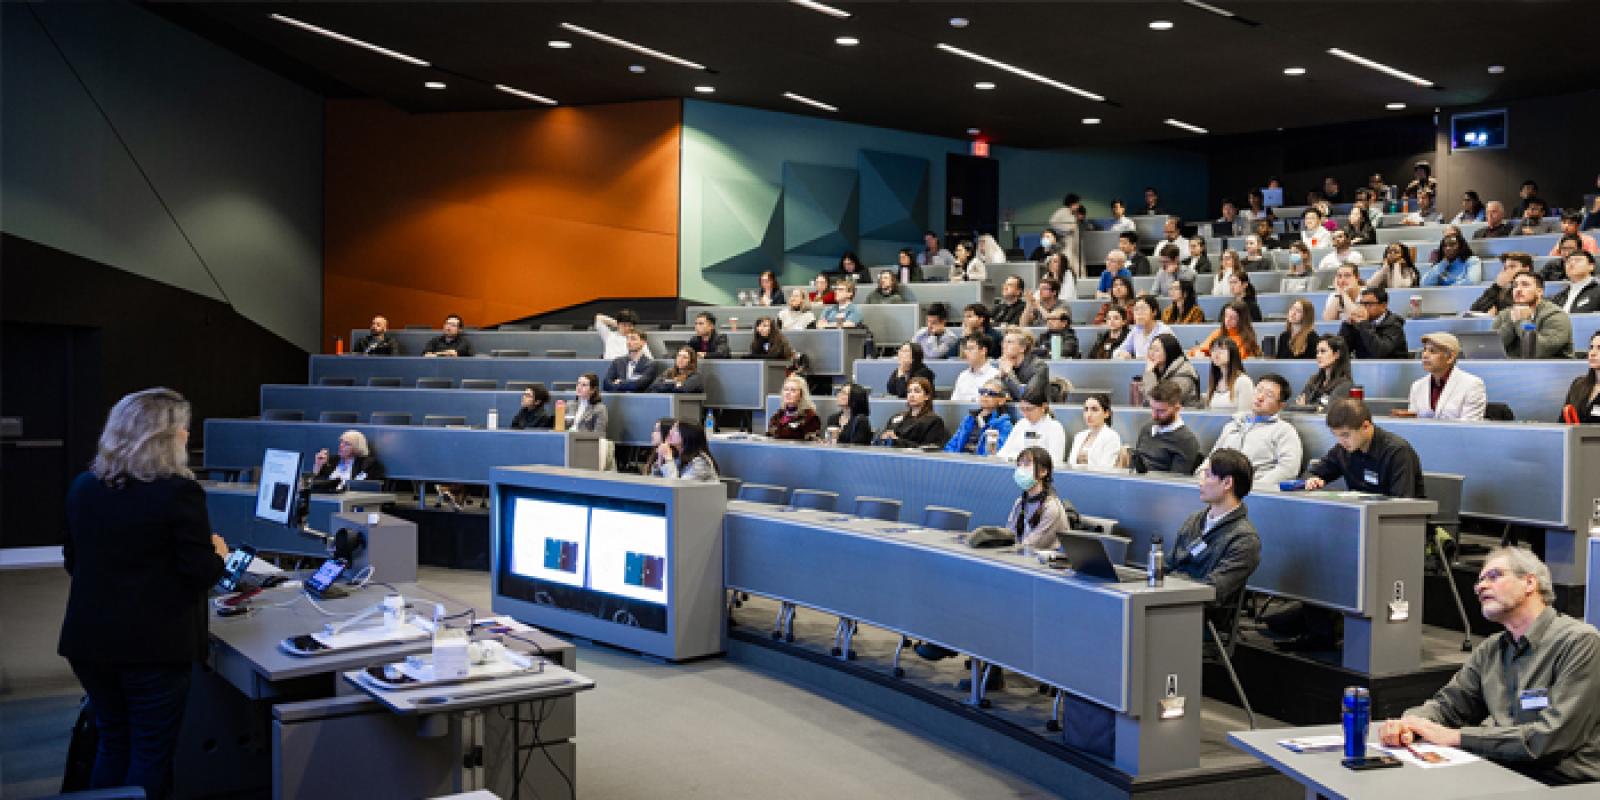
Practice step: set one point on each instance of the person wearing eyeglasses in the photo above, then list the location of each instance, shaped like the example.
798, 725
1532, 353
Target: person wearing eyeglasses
979, 371
972, 436
1373, 332
1525, 698
1038, 426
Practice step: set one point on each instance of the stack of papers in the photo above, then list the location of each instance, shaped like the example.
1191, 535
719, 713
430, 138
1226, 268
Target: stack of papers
1433, 756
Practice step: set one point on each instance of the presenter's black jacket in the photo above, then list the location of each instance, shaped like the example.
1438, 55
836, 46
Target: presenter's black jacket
1388, 466
365, 468
537, 418
857, 431
377, 345
141, 563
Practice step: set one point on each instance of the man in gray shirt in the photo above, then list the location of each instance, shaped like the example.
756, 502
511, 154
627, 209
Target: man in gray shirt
1528, 698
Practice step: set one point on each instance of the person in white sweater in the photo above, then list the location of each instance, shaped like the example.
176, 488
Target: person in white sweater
1098, 445
1271, 443
1038, 427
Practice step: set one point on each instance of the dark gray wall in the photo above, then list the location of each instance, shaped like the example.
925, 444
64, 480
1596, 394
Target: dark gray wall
1551, 140
195, 133
1302, 157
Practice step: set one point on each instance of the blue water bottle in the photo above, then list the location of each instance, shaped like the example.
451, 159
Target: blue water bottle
711, 421
1356, 717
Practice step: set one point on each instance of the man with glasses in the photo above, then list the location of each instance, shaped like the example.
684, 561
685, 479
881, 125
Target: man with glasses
1528, 698
1058, 327
1049, 302
1373, 332
979, 371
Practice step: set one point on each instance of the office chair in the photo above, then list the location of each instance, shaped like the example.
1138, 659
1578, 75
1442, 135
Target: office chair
331, 381
391, 418
435, 383
443, 420
814, 499
882, 508
480, 384
283, 415
940, 518
1444, 531
391, 383
340, 417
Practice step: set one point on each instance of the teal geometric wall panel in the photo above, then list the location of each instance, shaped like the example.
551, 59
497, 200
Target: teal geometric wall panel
894, 195
820, 209
741, 226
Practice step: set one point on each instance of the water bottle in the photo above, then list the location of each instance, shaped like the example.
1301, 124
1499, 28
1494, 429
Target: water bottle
1356, 715
1055, 348
1154, 574
1416, 306
493, 419
711, 421
1358, 392
869, 348
1291, 486
1530, 340
991, 438
561, 415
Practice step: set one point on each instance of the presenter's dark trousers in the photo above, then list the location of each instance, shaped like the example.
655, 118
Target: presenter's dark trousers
138, 711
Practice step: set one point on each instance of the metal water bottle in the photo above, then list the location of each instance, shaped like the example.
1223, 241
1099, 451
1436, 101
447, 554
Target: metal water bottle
1154, 574
1356, 714
1530, 340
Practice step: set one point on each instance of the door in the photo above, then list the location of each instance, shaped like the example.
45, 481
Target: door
971, 196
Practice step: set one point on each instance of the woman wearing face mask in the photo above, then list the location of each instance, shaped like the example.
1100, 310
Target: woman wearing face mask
1299, 337
853, 418
1300, 265
767, 342
797, 316
1098, 444
1332, 380
909, 367
1166, 362
906, 267
796, 417
684, 376
1037, 428
1039, 514
972, 435
918, 425
1047, 246
684, 454
1397, 270
888, 290
1231, 388
1111, 339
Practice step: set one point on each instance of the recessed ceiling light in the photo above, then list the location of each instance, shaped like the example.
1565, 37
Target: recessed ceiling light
973, 131
434, 84
637, 48
560, 44
1161, 25
1497, 70
826, 9
705, 89
1180, 124
1294, 70
1208, 7
636, 68
525, 95
1032, 76
799, 98
1383, 68
335, 35
959, 22
847, 41
983, 85
1396, 106
1091, 120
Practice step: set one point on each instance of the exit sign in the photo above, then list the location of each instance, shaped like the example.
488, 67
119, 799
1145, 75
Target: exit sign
980, 148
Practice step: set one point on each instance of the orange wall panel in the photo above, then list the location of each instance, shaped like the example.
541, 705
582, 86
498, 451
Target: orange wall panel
496, 215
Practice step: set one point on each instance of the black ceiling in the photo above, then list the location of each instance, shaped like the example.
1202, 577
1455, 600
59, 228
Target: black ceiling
1218, 73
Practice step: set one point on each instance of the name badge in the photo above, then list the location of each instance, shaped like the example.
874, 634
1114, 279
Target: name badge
1371, 477
896, 420
1030, 435
1534, 699
1197, 548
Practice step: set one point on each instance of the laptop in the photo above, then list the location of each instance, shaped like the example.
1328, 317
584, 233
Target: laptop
1272, 198
1089, 559
1481, 345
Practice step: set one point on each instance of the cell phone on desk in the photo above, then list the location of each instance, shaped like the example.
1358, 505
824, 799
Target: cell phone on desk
321, 583
1371, 762
233, 569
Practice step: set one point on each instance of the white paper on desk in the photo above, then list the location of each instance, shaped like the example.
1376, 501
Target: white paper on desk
1314, 744
363, 637
1453, 757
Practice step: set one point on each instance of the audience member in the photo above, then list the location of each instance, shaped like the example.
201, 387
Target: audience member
1231, 388
907, 269
1346, 294
1552, 328
1109, 341
1358, 229
1498, 227
1397, 271
1171, 235
887, 290
1048, 302
1368, 458
659, 434
844, 313
1591, 215
1332, 380
451, 343
1008, 307
979, 371
1566, 247
1116, 267
1299, 337
1171, 270
1525, 697
1166, 445
634, 372
975, 320
1330, 190
1197, 261
1373, 332
853, 420
1426, 213
1457, 265
534, 413
706, 341
1583, 396
796, 417
797, 316
850, 269
1217, 545
1498, 294
1166, 363
1300, 262
767, 342
908, 367
591, 414
1342, 253
1271, 444
1571, 225
821, 291
1017, 363
1040, 515
1128, 243
1119, 219
1472, 209
1422, 180
684, 454
683, 377
1312, 233
1447, 391
1064, 224
1038, 426
1255, 256
768, 292
1229, 224
1233, 324
614, 333
932, 254
1258, 208
1059, 340
1184, 308
1152, 202
1533, 222
1098, 445
1228, 265
1582, 294
990, 415
377, 342
935, 339
1268, 237
967, 266
1047, 246
1525, 197
1245, 292
1122, 296
355, 462
918, 425
989, 250
1147, 325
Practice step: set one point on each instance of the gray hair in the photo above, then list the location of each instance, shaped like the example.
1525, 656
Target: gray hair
1116, 256
143, 438
358, 442
1524, 563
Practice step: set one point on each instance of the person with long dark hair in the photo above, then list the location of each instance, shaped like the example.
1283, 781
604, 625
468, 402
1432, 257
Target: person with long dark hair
1245, 292
534, 414
906, 267
142, 556
1166, 363
767, 342
1098, 445
1397, 271
1185, 306
1039, 514
591, 414
850, 269
1457, 265
1234, 324
1110, 339
684, 454
918, 425
769, 293
1231, 389
854, 417
1332, 380
684, 376
1583, 397
658, 435
908, 367
1122, 296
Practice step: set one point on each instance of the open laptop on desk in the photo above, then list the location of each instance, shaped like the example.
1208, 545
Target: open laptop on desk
1088, 557
1476, 345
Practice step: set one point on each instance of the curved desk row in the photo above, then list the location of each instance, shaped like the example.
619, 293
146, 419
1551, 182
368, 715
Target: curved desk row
1353, 556
1121, 646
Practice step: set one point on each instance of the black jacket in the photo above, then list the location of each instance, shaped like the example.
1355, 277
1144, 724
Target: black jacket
370, 345
533, 419
692, 384
1069, 343
1107, 343
365, 468
1139, 264
1381, 339
898, 382
1578, 398
857, 431
1500, 231
1493, 299
438, 344
141, 563
1230, 553
1008, 313
912, 431
717, 347
1588, 299
1388, 466
1281, 348
616, 379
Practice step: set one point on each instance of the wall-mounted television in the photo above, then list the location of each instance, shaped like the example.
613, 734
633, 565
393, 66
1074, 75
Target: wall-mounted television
1479, 130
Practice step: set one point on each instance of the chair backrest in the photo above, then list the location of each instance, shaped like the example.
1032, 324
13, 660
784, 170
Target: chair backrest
482, 384
333, 381
435, 383
878, 508
508, 354
1445, 489
555, 326
389, 382
419, 327
514, 326
443, 420
763, 493
814, 498
1499, 412
341, 417
732, 485
563, 386
1088, 524
940, 518
391, 418
518, 386
364, 486
283, 415
560, 354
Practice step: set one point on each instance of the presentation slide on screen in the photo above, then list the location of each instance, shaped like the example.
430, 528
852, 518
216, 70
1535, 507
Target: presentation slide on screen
280, 470
628, 554
548, 541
